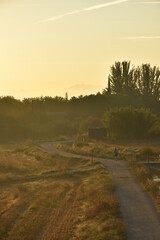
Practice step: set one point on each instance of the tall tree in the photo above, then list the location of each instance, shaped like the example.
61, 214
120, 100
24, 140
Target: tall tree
129, 78
115, 78
107, 91
149, 80
122, 78
129, 122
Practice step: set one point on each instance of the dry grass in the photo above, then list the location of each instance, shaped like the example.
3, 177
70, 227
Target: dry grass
106, 150
27, 161
79, 205
99, 218
144, 175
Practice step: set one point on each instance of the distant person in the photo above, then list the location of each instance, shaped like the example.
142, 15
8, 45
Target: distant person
115, 153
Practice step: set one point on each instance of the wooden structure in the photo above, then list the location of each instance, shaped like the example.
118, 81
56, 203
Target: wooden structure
98, 133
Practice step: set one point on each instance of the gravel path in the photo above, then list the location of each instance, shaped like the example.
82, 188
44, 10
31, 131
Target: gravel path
137, 207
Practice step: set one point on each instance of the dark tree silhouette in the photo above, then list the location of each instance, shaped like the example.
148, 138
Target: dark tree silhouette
122, 79
149, 80
52, 117
129, 78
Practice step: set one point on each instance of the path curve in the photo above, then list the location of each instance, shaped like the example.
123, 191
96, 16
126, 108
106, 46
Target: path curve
137, 207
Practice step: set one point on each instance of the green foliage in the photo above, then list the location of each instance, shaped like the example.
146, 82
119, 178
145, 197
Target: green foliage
80, 140
127, 123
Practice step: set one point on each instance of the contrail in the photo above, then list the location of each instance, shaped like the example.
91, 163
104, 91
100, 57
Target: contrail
95, 7
140, 38
154, 2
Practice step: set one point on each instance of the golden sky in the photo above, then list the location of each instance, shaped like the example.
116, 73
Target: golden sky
49, 47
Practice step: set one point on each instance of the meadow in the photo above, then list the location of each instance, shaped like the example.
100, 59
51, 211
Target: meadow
45, 196
105, 149
137, 154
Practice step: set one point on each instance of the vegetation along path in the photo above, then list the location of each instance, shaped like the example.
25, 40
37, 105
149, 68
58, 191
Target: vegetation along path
137, 207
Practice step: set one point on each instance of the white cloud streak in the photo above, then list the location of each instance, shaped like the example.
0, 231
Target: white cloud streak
154, 2
95, 7
140, 38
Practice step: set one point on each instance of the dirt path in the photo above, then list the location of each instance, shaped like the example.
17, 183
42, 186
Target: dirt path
137, 208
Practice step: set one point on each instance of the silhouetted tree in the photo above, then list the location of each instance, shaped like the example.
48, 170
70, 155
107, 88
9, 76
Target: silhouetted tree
149, 80
129, 78
122, 79
116, 79
51, 117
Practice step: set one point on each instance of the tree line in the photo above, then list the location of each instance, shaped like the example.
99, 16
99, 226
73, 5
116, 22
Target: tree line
50, 117
131, 123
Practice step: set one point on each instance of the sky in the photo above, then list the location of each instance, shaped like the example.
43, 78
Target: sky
50, 47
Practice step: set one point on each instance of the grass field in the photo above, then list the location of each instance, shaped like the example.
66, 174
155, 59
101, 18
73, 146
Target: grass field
127, 151
46, 197
106, 149
145, 176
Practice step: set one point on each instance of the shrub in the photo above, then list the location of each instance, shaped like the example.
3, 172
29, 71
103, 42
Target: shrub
152, 187
155, 131
147, 151
143, 174
129, 123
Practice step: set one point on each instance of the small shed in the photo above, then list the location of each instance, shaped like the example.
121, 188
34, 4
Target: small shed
98, 133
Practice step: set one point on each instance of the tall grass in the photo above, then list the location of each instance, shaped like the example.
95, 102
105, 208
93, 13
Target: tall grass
100, 211
81, 205
145, 178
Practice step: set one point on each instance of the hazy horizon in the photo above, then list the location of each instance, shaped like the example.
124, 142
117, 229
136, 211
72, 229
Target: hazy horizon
49, 47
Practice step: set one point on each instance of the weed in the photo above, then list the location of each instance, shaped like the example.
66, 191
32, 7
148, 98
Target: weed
143, 174
33, 207
37, 157
152, 187
145, 177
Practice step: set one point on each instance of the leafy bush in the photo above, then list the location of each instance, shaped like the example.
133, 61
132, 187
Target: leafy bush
129, 123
